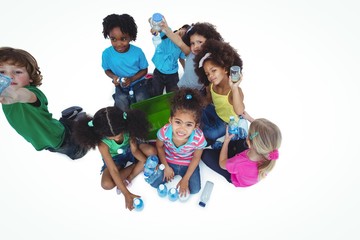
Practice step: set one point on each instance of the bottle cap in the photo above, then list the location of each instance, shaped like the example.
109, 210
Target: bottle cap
202, 204
157, 17
162, 167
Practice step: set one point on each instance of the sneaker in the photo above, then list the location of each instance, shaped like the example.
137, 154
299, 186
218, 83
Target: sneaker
71, 112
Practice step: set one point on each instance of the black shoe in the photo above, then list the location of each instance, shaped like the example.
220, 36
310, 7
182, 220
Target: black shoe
71, 112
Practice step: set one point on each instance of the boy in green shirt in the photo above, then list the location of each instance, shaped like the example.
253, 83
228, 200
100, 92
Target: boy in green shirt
25, 106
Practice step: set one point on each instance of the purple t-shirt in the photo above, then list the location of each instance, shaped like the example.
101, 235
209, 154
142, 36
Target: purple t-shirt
244, 172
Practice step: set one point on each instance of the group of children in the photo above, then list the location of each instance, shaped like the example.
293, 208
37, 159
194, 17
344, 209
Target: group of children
204, 99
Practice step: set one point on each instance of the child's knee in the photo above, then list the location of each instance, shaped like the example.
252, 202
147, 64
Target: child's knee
107, 185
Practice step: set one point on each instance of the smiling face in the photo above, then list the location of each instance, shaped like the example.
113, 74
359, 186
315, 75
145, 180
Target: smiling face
183, 124
19, 76
119, 40
215, 74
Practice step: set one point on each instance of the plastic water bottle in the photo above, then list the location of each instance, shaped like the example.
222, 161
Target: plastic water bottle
217, 145
162, 190
120, 151
138, 204
158, 173
155, 22
243, 128
131, 96
206, 193
156, 40
122, 82
150, 165
4, 82
173, 194
233, 128
235, 73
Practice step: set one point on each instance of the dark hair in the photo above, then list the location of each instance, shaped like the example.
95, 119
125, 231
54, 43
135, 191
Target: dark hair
108, 122
187, 99
205, 29
185, 26
222, 54
125, 22
22, 58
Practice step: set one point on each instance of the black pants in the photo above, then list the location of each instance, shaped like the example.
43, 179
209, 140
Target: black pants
211, 157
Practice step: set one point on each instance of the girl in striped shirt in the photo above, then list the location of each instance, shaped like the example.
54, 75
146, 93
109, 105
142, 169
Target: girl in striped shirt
180, 142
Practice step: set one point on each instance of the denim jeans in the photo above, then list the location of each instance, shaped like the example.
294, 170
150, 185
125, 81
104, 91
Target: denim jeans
161, 81
211, 124
121, 159
69, 147
121, 96
194, 181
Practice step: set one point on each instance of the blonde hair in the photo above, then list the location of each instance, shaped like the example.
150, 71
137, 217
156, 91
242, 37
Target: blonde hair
265, 138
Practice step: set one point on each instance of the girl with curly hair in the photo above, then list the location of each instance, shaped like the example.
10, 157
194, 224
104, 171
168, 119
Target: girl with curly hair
118, 135
225, 98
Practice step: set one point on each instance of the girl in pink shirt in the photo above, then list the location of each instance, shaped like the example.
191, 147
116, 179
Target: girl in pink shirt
251, 165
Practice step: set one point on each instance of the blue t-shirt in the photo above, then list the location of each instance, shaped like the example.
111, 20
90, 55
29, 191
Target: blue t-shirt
125, 64
166, 56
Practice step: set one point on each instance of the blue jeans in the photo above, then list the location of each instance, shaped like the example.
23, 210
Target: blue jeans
211, 124
121, 159
69, 146
121, 95
161, 81
194, 181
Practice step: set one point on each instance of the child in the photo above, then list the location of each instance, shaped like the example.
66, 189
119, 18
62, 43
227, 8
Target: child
115, 133
250, 166
165, 59
25, 106
180, 143
225, 97
191, 44
124, 61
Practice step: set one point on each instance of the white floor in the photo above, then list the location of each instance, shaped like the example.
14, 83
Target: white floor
301, 64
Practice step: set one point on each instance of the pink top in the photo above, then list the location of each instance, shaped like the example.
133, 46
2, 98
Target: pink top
244, 172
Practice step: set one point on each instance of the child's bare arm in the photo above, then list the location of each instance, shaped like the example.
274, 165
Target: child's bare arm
175, 38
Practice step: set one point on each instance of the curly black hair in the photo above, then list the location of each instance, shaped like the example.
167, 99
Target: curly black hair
205, 29
125, 22
108, 122
222, 54
187, 99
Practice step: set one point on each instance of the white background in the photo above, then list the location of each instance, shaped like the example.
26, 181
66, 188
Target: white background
301, 61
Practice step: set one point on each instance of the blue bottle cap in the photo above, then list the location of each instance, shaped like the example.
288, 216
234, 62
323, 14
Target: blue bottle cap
202, 204
157, 17
138, 204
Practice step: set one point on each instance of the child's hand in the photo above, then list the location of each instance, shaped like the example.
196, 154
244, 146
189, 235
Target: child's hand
168, 174
129, 198
228, 137
183, 187
235, 84
164, 26
10, 95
